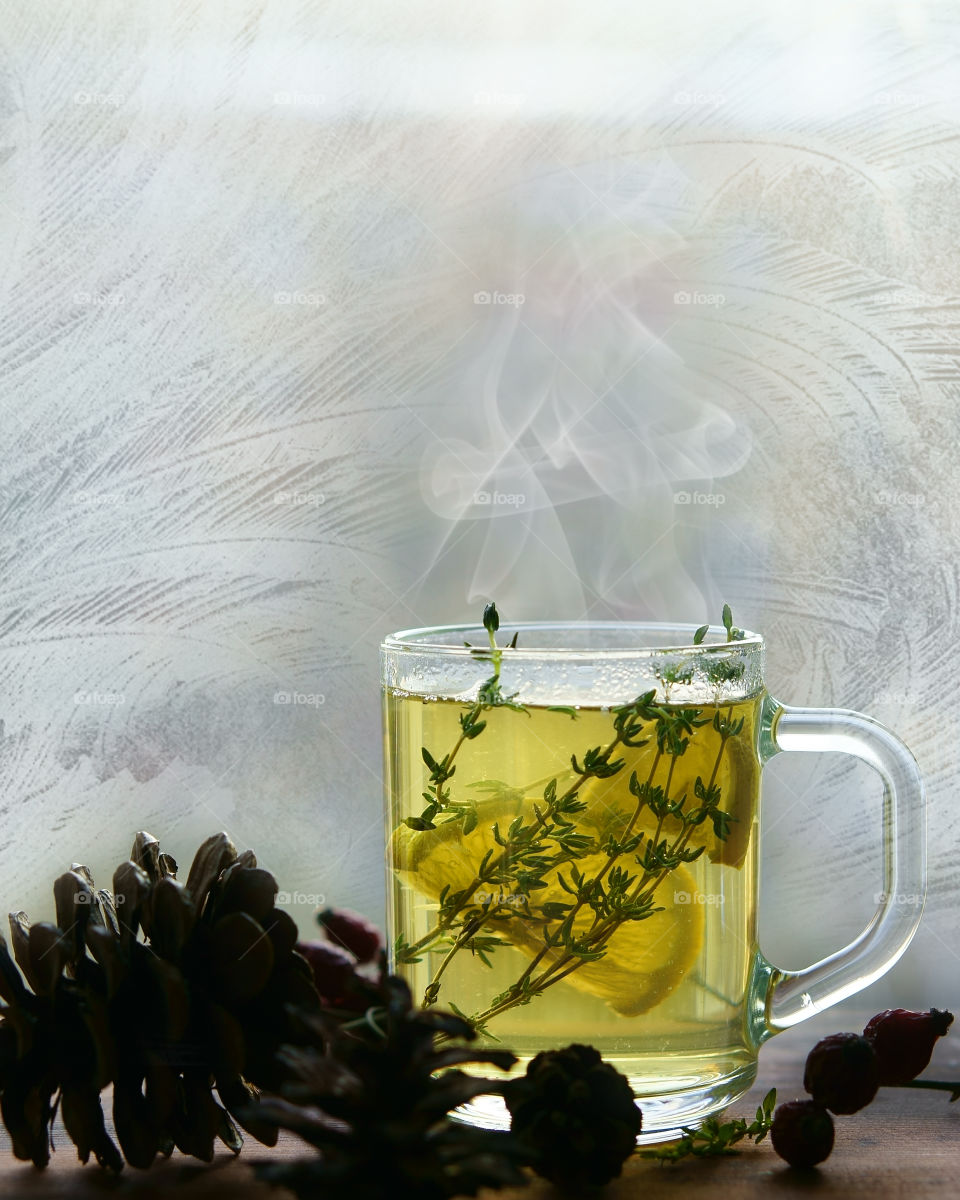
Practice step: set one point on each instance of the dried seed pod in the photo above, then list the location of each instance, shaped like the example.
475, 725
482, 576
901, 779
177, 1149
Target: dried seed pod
73, 897
283, 933
160, 1085
11, 985
227, 1041
102, 1048
229, 1134
249, 890
131, 887
242, 956
156, 1002
213, 857
26, 1110
241, 1101
196, 1121
171, 916
168, 866
9, 1053
84, 872
104, 945
47, 951
137, 1133
146, 854
107, 907
83, 1119
20, 940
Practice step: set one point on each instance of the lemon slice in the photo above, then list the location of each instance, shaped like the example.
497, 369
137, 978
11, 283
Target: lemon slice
607, 799
645, 960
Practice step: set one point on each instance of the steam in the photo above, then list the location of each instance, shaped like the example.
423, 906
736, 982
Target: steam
573, 424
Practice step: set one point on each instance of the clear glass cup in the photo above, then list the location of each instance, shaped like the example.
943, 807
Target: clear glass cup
584, 865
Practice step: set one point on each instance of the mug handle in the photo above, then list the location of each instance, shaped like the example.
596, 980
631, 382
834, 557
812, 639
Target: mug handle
793, 996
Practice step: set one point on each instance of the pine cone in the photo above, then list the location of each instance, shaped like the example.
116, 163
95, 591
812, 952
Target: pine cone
201, 1002
576, 1115
368, 1099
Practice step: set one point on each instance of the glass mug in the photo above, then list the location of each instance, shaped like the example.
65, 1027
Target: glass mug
572, 848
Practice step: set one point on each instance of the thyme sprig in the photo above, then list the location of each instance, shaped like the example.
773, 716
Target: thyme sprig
716, 1138
489, 695
530, 849
628, 897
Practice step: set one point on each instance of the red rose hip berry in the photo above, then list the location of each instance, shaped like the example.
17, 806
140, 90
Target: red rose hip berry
903, 1041
334, 969
802, 1133
352, 931
842, 1073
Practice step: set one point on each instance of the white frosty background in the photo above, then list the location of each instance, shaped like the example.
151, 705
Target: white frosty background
253, 417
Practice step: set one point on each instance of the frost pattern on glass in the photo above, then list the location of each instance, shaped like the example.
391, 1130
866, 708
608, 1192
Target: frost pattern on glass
329, 320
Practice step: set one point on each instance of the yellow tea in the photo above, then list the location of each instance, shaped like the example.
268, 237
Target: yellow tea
582, 874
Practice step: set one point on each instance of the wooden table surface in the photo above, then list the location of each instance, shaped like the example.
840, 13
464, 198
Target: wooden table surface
904, 1145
